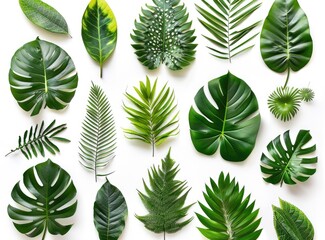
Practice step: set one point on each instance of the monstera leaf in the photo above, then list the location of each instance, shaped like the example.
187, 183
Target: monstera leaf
50, 199
99, 31
231, 121
289, 163
42, 75
164, 35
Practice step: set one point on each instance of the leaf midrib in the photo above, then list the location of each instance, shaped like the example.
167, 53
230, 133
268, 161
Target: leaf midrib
99, 36
44, 69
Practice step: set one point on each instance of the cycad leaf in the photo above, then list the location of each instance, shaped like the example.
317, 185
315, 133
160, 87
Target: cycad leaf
98, 138
164, 198
99, 31
229, 215
44, 16
152, 113
42, 75
51, 197
291, 223
110, 212
289, 163
231, 121
164, 35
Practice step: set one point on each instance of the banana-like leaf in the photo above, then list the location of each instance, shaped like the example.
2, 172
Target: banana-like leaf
224, 20
44, 16
229, 215
98, 137
99, 31
231, 121
164, 35
42, 75
110, 212
50, 199
289, 164
291, 223
37, 140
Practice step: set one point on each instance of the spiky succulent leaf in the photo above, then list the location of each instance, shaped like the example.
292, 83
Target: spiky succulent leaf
307, 94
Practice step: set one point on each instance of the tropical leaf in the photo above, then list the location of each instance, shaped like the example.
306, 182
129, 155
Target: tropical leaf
44, 16
110, 212
164, 35
37, 140
42, 75
306, 94
291, 223
98, 138
50, 199
231, 121
99, 31
164, 199
224, 20
153, 116
290, 163
228, 215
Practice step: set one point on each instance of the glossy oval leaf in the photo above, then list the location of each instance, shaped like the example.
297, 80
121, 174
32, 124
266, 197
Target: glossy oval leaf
99, 31
42, 75
285, 38
44, 16
230, 120
110, 212
50, 199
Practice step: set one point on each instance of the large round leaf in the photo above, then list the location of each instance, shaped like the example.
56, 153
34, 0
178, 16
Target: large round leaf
50, 197
42, 74
230, 120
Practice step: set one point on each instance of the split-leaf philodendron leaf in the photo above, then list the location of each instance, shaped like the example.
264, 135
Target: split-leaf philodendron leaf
42, 75
231, 121
99, 31
50, 199
44, 16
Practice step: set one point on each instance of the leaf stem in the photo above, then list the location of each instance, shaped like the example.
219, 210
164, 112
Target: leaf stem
287, 80
153, 148
44, 234
12, 151
164, 235
101, 70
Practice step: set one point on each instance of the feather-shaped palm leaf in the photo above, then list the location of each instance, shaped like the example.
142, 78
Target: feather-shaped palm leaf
98, 140
224, 20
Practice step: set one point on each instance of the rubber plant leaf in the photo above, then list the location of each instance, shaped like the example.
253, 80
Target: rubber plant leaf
229, 119
44, 16
229, 215
291, 223
99, 31
110, 212
98, 138
42, 75
50, 199
289, 163
224, 20
164, 35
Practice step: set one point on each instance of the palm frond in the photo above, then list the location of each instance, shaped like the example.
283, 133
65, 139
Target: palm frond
98, 138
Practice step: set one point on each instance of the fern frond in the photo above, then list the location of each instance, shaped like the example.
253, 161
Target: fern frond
98, 138
152, 114
38, 139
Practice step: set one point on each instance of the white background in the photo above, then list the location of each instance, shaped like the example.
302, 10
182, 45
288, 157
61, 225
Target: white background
132, 159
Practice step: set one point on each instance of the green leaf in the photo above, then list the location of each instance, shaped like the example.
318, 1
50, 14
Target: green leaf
290, 163
164, 198
42, 75
224, 20
164, 35
291, 223
98, 138
44, 16
231, 121
228, 214
99, 31
152, 113
110, 212
50, 199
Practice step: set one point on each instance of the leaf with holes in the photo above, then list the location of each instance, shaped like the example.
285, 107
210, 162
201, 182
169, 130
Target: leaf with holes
99, 31
42, 75
230, 119
164, 35
289, 164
